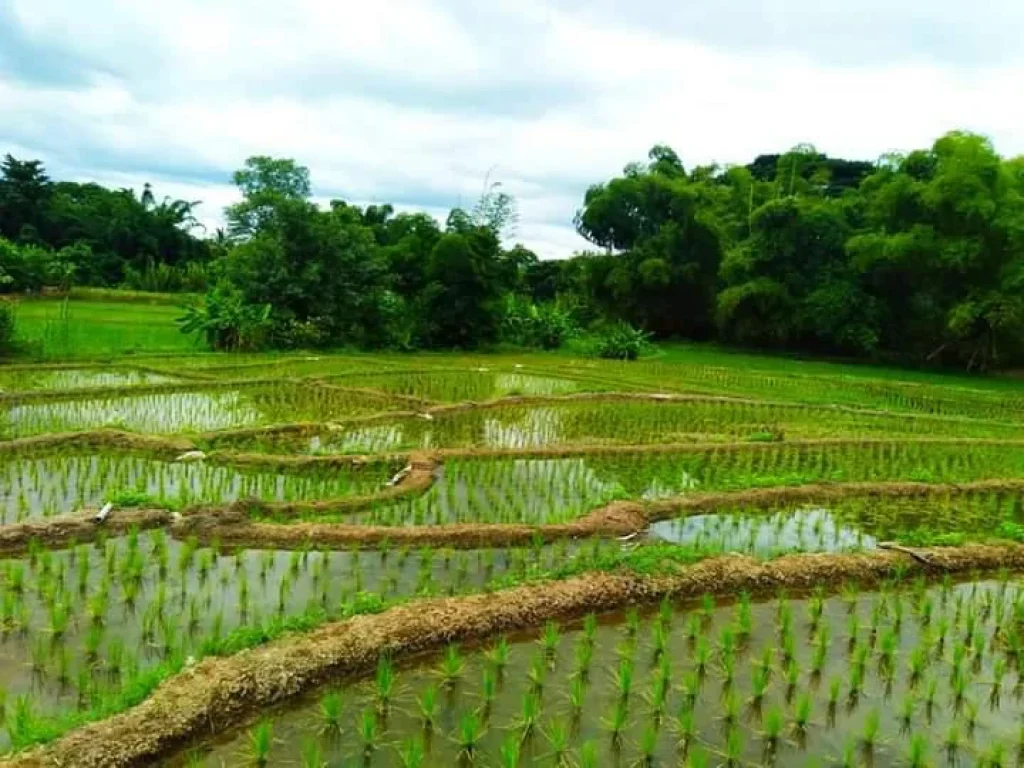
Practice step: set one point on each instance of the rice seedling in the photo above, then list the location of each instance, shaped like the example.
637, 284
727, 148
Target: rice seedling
510, 751
869, 732
802, 713
498, 654
529, 715
537, 674
330, 713
577, 696
734, 746
428, 707
468, 735
312, 754
261, 739
617, 720
550, 638
452, 665
385, 685
369, 732
558, 737
953, 741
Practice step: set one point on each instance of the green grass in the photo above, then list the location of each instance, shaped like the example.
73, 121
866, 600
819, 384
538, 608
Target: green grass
685, 353
54, 329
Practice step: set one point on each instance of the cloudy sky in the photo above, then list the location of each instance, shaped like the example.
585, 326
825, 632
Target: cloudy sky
413, 101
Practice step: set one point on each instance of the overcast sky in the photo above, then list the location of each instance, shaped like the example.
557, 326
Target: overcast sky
412, 101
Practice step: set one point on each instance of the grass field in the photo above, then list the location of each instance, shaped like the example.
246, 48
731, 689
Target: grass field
702, 558
53, 329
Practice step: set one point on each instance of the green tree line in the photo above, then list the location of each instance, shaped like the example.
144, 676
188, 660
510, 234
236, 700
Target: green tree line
53, 233
917, 257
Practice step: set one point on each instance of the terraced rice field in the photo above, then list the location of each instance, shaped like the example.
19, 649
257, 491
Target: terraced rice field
420, 561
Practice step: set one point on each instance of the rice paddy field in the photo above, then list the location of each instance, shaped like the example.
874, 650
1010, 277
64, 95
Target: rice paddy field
696, 559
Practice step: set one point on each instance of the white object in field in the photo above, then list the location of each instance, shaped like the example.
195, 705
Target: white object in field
661, 396
426, 416
401, 473
518, 365
482, 370
103, 513
191, 456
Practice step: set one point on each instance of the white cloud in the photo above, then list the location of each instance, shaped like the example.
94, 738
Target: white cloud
412, 101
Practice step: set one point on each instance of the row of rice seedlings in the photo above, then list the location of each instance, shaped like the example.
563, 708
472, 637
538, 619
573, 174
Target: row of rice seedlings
22, 380
471, 384
64, 481
910, 675
191, 411
947, 396
80, 627
643, 422
642, 474
150, 413
298, 366
558, 490
535, 491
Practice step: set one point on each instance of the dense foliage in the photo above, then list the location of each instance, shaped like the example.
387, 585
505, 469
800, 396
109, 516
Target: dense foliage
918, 257
53, 233
349, 275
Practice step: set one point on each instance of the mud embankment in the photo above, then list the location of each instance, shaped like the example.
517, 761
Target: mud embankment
57, 532
156, 446
234, 526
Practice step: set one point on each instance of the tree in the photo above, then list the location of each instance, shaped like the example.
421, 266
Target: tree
265, 182
321, 272
941, 249
496, 210
462, 299
664, 276
25, 190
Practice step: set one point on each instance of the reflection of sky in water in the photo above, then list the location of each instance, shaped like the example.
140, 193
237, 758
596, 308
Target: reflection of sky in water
78, 378
660, 489
525, 384
375, 439
539, 426
807, 530
158, 413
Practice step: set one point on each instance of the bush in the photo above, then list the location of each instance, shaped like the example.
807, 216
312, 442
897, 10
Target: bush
301, 334
619, 341
227, 322
546, 326
25, 267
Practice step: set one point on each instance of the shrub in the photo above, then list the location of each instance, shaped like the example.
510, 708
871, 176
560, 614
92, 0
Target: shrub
227, 322
546, 326
24, 267
619, 341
